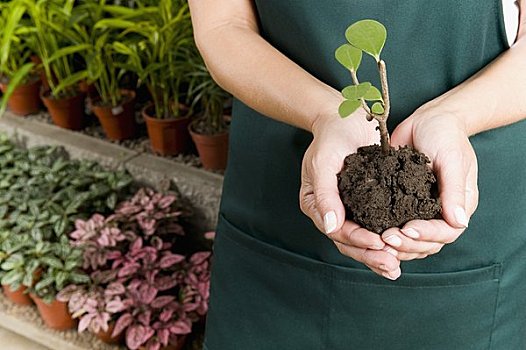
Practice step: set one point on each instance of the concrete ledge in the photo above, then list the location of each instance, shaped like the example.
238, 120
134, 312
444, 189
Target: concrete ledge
200, 189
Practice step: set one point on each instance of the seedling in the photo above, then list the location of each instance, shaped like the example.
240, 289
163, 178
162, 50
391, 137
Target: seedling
366, 36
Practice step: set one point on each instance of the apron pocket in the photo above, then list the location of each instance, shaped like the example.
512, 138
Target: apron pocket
434, 311
262, 297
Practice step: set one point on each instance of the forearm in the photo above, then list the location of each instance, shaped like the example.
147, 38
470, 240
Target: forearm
247, 66
495, 96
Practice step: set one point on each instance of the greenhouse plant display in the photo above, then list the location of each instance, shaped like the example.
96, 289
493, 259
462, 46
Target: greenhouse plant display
380, 187
18, 80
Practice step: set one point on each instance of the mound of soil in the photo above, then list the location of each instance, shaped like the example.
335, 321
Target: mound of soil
380, 191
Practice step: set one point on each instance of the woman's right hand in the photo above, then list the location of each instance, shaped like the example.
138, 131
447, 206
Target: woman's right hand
334, 139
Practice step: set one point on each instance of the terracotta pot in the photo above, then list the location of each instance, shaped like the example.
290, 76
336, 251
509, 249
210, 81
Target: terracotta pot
66, 112
88, 89
107, 338
178, 346
25, 99
118, 122
167, 136
17, 296
55, 315
212, 149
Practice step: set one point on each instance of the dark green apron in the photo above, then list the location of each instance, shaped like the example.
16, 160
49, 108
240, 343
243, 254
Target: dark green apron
278, 283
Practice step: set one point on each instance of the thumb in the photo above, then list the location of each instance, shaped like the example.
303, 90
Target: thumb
327, 200
452, 172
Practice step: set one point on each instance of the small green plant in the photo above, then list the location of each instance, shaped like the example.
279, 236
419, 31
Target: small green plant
15, 67
366, 36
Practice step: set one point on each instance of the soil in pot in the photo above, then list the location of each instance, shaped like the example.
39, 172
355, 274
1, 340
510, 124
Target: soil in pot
380, 191
17, 296
106, 337
118, 122
25, 99
66, 112
55, 315
212, 147
167, 136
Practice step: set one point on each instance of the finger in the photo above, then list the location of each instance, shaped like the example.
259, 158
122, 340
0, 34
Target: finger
352, 234
438, 231
321, 184
451, 168
411, 256
308, 206
377, 259
402, 135
472, 191
402, 243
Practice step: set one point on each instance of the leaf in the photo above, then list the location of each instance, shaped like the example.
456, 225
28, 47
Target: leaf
162, 301
378, 108
12, 277
349, 56
373, 94
68, 51
71, 80
367, 35
348, 107
122, 323
44, 283
356, 92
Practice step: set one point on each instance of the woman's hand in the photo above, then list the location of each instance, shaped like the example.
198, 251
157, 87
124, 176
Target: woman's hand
443, 138
334, 139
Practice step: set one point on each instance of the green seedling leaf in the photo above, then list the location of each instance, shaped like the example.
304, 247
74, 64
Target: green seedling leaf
367, 35
356, 92
373, 94
349, 56
348, 107
377, 108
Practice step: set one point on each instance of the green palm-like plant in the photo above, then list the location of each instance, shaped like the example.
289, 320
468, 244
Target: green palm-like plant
158, 54
207, 96
59, 42
15, 67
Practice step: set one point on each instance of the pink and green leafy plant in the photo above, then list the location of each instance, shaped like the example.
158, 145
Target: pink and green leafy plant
139, 280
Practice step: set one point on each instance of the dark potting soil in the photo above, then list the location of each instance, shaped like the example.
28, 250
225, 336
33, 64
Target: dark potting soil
381, 191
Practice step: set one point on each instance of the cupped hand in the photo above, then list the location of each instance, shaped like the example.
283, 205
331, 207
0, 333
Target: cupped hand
443, 138
334, 139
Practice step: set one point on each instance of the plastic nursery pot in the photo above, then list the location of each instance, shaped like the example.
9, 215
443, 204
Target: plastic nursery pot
66, 112
179, 346
55, 315
17, 296
118, 122
212, 149
25, 99
167, 136
106, 337
88, 89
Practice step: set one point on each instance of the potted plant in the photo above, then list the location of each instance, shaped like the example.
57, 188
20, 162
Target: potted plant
159, 59
210, 132
60, 48
60, 267
374, 171
18, 80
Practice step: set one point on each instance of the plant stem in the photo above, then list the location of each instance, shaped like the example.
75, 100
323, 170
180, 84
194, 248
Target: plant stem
364, 104
382, 119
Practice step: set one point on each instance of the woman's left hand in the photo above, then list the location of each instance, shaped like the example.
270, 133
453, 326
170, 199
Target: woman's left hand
442, 136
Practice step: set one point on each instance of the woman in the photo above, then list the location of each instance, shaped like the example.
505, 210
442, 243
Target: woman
458, 95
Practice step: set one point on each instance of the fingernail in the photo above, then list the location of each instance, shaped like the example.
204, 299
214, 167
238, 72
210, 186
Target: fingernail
394, 240
461, 217
410, 232
391, 251
392, 275
329, 222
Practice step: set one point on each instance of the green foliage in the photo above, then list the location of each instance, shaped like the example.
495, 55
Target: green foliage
366, 36
42, 193
349, 56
